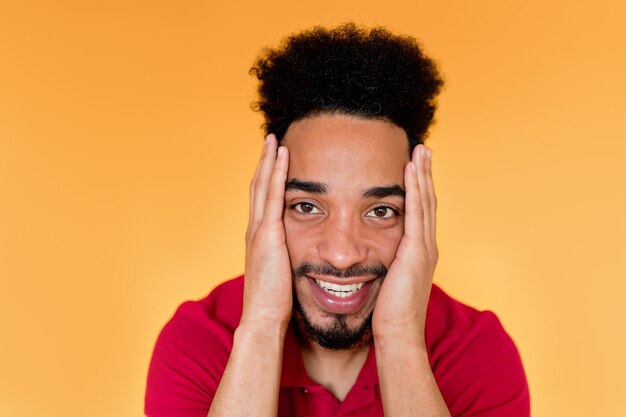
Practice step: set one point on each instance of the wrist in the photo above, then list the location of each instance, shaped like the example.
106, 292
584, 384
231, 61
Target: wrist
398, 338
405, 326
401, 351
262, 328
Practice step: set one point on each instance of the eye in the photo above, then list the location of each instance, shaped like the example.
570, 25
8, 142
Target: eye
382, 212
306, 208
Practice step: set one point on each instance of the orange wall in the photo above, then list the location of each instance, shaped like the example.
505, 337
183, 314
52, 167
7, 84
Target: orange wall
127, 144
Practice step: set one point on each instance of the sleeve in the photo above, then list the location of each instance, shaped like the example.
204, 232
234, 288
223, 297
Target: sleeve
187, 364
480, 372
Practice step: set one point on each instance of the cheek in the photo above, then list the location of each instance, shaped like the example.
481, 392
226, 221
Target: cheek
383, 244
300, 240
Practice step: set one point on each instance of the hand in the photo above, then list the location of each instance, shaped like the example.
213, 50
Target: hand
400, 312
268, 288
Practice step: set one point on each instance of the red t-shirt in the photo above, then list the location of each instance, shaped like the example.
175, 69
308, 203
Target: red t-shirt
474, 361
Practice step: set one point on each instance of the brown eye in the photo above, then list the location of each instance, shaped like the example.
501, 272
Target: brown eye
382, 212
306, 208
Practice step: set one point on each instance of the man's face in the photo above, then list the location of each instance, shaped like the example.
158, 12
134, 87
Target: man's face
344, 218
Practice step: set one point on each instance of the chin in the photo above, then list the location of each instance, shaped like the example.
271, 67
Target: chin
332, 331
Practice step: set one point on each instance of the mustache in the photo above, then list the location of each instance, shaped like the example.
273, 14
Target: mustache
357, 270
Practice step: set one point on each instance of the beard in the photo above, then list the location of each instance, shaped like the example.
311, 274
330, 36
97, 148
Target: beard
337, 335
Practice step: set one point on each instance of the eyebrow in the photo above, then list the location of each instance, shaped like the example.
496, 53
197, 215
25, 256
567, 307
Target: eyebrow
306, 186
314, 187
384, 191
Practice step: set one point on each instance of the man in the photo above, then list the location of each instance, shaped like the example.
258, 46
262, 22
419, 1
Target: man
337, 314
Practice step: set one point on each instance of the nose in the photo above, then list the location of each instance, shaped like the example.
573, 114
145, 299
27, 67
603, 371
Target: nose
339, 243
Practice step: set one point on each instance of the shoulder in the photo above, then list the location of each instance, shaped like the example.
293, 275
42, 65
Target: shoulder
191, 352
199, 324
475, 362
449, 318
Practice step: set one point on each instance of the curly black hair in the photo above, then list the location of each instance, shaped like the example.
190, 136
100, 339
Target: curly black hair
369, 73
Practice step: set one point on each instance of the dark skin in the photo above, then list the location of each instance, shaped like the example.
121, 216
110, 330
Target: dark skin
351, 223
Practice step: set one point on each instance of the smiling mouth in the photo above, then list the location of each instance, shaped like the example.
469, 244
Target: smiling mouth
341, 291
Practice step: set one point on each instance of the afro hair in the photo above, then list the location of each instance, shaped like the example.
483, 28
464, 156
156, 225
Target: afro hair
368, 73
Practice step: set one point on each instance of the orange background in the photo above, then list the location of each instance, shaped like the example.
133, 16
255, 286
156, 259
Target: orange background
127, 145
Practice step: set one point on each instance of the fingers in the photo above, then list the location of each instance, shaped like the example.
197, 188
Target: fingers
432, 199
267, 188
276, 193
253, 184
413, 222
420, 199
423, 173
260, 183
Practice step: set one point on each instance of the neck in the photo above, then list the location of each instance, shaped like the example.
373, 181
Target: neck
336, 370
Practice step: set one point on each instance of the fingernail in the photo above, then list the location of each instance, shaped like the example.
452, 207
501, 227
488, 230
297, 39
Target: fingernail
429, 153
413, 167
281, 150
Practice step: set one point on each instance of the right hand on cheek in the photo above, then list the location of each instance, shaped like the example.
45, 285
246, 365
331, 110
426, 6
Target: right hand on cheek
268, 287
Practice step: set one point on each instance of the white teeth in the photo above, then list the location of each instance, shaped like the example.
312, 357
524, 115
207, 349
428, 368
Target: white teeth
342, 291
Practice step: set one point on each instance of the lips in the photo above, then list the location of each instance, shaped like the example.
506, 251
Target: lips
340, 298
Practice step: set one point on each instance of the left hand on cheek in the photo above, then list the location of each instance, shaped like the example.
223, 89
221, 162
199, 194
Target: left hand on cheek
400, 310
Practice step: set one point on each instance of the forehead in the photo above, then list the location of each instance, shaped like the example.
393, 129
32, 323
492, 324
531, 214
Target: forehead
347, 153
